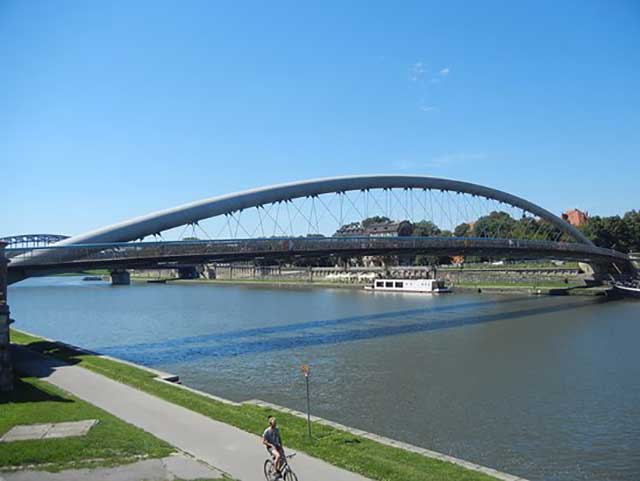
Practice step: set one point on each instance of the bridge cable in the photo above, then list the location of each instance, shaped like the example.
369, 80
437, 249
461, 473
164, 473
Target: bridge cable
382, 210
242, 226
181, 236
276, 221
207, 236
402, 206
224, 226
258, 207
276, 226
461, 214
287, 202
339, 221
301, 213
354, 206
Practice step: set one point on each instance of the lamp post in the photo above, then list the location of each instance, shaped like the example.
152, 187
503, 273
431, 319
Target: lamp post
306, 370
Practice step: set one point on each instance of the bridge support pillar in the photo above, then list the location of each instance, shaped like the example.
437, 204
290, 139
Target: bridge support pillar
598, 272
188, 272
120, 278
6, 367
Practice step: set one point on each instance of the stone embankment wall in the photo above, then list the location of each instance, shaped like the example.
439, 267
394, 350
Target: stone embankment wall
311, 274
464, 275
513, 276
6, 371
452, 275
154, 273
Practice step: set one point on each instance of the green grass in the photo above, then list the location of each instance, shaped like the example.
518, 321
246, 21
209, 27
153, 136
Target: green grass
111, 442
361, 455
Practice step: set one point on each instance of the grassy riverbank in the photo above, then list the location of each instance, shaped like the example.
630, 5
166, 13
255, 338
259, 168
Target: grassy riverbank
111, 442
361, 455
293, 283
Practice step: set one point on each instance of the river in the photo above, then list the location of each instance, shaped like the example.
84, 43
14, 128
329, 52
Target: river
541, 387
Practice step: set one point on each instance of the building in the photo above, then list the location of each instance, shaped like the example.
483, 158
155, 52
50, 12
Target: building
350, 230
382, 229
576, 217
389, 229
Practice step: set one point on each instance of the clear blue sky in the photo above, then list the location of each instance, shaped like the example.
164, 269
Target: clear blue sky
110, 110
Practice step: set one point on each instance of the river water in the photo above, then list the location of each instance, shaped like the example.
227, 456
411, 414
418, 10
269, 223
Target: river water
541, 387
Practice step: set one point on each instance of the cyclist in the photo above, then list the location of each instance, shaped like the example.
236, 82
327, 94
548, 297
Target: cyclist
272, 441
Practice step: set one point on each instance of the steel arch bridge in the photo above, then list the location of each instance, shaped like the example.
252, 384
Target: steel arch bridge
303, 209
32, 240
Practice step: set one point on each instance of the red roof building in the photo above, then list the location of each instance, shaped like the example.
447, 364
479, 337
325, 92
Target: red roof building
576, 217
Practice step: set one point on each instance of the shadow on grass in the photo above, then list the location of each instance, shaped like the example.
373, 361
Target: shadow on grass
58, 350
40, 359
24, 392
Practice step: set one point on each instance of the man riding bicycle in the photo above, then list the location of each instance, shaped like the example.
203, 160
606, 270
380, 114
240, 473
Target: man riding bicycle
271, 439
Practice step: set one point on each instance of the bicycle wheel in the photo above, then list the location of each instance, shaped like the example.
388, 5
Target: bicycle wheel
290, 476
269, 470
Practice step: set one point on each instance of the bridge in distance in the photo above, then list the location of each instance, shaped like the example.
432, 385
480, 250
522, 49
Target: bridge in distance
301, 219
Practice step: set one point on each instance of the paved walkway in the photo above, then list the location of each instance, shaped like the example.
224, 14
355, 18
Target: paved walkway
232, 450
164, 469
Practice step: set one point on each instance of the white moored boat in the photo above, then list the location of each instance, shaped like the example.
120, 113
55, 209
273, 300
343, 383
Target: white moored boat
424, 286
631, 290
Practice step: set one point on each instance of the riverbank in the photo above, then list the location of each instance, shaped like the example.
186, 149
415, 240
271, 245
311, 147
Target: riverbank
285, 283
537, 289
341, 448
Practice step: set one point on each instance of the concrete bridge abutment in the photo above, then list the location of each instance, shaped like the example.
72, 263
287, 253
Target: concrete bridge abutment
188, 272
120, 278
6, 367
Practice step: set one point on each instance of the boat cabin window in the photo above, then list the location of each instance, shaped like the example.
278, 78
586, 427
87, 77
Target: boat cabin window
388, 284
379, 284
399, 285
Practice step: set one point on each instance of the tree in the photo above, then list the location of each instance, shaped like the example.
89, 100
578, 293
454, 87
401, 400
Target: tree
632, 220
497, 225
525, 228
376, 219
610, 232
425, 228
462, 230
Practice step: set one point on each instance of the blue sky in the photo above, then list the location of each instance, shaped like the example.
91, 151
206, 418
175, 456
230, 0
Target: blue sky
110, 110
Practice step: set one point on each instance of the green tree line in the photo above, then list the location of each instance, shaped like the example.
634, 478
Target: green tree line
615, 232
621, 233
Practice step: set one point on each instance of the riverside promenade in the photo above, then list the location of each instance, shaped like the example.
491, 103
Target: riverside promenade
235, 452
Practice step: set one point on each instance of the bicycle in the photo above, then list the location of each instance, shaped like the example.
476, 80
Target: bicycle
286, 471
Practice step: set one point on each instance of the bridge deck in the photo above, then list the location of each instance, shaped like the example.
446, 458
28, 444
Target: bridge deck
165, 254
